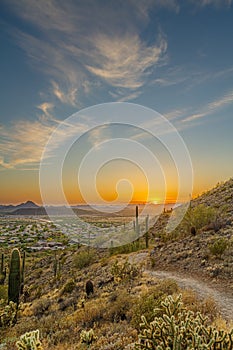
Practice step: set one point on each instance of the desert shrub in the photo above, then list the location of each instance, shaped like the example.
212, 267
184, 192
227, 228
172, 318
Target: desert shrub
67, 302
207, 307
124, 270
115, 336
3, 293
218, 247
150, 301
179, 328
83, 259
119, 306
58, 336
91, 314
41, 307
167, 287
198, 217
127, 248
68, 287
55, 328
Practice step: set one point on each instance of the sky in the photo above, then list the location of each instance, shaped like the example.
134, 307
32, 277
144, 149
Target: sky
59, 58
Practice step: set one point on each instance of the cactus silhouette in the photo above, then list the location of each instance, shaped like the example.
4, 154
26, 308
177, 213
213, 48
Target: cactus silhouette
147, 231
2, 271
136, 218
89, 288
15, 277
22, 273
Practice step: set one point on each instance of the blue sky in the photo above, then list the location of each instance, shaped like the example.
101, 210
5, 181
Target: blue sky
57, 58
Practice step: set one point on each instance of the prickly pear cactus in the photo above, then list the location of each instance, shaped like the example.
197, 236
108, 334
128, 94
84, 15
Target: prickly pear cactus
180, 329
30, 341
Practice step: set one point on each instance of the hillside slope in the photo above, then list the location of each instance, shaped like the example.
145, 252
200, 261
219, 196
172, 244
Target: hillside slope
192, 254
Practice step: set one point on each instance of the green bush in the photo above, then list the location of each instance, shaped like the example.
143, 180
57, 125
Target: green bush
83, 259
119, 306
198, 217
41, 307
124, 270
127, 248
180, 329
150, 301
68, 287
218, 247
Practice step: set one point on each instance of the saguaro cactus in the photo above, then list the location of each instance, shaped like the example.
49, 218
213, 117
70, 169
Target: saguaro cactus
137, 226
15, 277
55, 265
22, 273
89, 288
2, 271
147, 231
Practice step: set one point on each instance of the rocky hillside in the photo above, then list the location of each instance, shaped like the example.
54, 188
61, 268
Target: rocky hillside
127, 286
208, 253
221, 196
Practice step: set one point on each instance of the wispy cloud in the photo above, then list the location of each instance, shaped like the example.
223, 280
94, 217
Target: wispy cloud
175, 113
75, 49
23, 142
217, 3
67, 97
211, 107
99, 135
46, 108
220, 102
125, 61
122, 96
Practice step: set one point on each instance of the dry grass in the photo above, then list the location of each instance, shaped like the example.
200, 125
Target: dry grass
61, 312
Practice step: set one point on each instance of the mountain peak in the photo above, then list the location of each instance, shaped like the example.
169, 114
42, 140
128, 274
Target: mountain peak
28, 204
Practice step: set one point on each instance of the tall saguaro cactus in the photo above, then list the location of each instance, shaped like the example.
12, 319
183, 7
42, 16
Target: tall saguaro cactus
22, 273
137, 226
2, 271
147, 231
15, 277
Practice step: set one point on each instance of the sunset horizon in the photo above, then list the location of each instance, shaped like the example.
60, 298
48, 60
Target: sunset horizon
115, 65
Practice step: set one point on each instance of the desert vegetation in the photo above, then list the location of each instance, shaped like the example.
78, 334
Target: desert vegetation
77, 297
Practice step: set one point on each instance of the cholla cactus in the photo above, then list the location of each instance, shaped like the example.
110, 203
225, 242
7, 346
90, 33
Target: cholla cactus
124, 271
87, 337
180, 329
30, 341
8, 315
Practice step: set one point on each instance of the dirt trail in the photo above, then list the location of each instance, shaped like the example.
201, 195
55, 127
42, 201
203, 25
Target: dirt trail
223, 301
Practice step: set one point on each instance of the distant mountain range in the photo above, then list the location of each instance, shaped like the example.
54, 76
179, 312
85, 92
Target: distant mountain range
27, 208
28, 204
31, 209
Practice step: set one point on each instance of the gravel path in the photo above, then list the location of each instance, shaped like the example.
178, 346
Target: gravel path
223, 301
